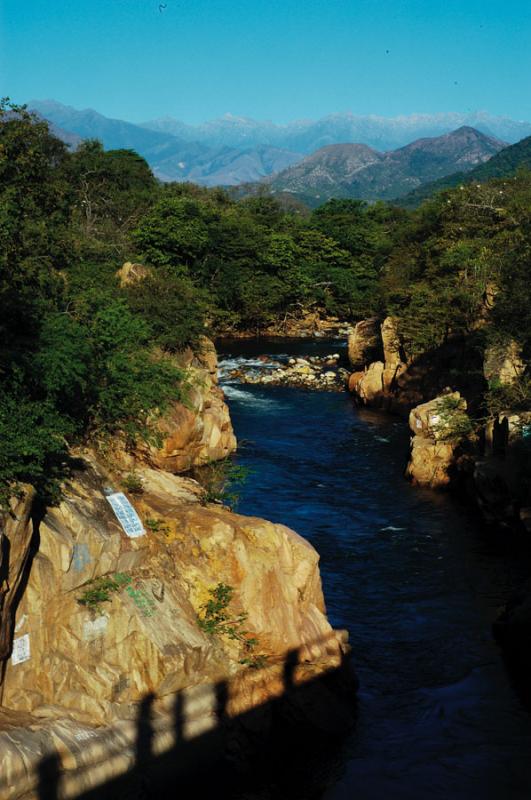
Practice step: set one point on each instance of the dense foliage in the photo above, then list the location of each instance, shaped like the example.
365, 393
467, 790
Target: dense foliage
75, 358
82, 356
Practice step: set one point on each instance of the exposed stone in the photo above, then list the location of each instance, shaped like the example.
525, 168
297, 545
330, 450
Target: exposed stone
132, 273
94, 663
391, 343
378, 385
313, 373
429, 462
503, 363
364, 343
194, 432
433, 420
433, 445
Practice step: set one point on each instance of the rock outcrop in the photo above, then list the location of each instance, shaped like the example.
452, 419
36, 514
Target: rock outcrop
94, 662
364, 343
503, 363
398, 382
200, 430
193, 432
377, 385
437, 428
101, 621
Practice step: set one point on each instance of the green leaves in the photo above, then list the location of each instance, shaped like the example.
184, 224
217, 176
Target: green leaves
33, 447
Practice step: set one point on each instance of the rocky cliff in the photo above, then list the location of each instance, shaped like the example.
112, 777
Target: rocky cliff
437, 390
94, 620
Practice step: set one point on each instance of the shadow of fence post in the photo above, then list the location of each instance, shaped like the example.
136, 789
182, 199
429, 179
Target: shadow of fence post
290, 664
144, 741
49, 774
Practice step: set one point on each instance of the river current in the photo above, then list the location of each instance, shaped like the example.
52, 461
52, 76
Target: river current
409, 573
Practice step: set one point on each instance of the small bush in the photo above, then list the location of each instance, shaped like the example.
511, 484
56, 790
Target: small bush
156, 525
132, 483
100, 590
455, 424
216, 620
219, 479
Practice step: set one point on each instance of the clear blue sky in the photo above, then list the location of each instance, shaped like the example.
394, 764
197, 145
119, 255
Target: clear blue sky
274, 59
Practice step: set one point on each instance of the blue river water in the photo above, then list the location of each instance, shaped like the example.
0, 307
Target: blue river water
409, 573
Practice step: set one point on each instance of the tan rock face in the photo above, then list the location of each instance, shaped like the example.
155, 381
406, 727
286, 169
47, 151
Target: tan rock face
391, 343
200, 431
429, 462
197, 433
433, 447
132, 273
378, 384
94, 663
194, 432
503, 364
364, 343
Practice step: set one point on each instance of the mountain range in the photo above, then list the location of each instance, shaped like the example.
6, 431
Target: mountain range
233, 151
171, 157
306, 136
358, 171
503, 165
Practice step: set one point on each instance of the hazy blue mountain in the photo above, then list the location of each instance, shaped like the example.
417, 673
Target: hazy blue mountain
170, 157
306, 136
357, 171
229, 166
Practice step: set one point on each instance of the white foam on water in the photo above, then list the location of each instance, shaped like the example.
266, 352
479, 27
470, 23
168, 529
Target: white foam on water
392, 528
253, 367
242, 396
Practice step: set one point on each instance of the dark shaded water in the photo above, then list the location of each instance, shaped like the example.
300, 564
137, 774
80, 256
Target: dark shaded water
412, 577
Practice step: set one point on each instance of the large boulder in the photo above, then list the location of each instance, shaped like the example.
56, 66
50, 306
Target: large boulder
193, 432
438, 427
86, 678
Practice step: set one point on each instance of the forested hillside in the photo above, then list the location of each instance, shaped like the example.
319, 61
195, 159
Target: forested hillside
83, 358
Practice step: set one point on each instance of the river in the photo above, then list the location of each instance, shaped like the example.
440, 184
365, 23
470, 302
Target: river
409, 573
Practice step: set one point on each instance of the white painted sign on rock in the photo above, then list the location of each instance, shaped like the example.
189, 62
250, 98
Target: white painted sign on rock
126, 515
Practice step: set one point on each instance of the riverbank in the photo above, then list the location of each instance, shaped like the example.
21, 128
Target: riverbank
307, 326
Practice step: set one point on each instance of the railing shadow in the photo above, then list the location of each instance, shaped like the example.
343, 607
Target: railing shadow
197, 746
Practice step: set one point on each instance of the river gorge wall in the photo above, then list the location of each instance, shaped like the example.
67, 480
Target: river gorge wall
94, 620
441, 393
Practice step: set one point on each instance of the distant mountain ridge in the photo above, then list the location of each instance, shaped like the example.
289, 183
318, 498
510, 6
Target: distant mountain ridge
170, 157
358, 171
502, 165
306, 136
235, 151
